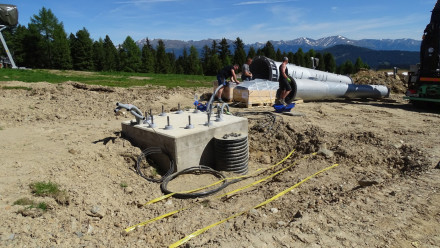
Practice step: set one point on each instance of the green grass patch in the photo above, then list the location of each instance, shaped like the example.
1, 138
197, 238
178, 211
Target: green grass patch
23, 201
123, 185
31, 204
16, 88
50, 189
112, 79
44, 189
41, 205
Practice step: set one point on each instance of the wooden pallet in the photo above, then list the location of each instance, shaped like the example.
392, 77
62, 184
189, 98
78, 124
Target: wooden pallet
250, 105
250, 98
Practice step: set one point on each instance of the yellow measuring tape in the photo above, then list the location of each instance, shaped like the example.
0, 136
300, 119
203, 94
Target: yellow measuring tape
264, 179
131, 228
220, 181
202, 230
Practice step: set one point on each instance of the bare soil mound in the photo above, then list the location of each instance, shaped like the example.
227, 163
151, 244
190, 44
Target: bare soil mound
396, 84
383, 193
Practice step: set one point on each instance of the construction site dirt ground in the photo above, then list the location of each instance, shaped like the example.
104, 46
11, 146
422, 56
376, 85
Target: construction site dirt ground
385, 191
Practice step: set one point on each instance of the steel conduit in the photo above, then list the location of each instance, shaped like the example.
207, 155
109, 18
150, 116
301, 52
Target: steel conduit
310, 84
307, 89
265, 68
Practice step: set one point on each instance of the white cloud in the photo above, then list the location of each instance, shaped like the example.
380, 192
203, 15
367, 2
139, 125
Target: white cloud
288, 15
220, 21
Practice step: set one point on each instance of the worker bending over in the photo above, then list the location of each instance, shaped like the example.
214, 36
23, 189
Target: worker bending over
223, 74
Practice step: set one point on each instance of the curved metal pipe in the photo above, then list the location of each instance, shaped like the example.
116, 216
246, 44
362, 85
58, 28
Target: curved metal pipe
209, 104
132, 109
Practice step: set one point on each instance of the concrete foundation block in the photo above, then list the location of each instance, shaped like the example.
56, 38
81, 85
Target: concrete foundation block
188, 147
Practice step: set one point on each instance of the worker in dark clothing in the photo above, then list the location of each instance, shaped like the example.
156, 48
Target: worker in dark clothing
284, 80
223, 74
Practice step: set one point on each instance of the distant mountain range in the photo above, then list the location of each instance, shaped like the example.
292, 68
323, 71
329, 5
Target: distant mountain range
376, 59
375, 52
323, 43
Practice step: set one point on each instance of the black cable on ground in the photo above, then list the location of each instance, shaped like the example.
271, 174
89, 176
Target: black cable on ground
144, 155
195, 170
269, 124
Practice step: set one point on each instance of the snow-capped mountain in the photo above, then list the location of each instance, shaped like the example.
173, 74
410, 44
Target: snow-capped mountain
305, 44
323, 43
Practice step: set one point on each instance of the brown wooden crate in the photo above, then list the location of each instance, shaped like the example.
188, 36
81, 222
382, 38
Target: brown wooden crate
254, 97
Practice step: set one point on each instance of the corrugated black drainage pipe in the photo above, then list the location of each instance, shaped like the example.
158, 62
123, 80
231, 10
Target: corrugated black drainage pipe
232, 153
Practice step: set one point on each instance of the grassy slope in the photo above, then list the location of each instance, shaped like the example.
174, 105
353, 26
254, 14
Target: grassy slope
114, 79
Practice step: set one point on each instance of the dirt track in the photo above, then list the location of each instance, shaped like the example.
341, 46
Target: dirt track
68, 134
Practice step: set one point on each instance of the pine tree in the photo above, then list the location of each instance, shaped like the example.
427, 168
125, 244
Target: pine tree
48, 26
98, 55
179, 66
308, 58
214, 48
147, 58
279, 56
214, 65
239, 53
224, 53
299, 58
194, 64
81, 48
31, 43
162, 59
321, 62
122, 58
110, 55
251, 52
269, 51
183, 61
61, 58
172, 62
132, 55
291, 57
346, 68
359, 64
330, 63
206, 56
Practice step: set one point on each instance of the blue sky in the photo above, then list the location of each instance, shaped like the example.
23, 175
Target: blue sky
251, 20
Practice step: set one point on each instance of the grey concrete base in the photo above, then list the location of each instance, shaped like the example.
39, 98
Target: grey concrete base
188, 147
